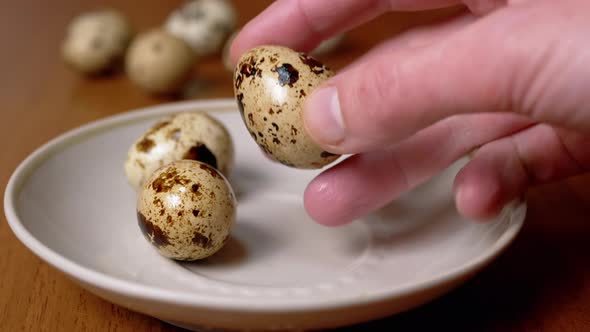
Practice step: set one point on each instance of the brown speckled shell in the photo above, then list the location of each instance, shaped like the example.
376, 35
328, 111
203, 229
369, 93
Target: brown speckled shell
270, 85
186, 210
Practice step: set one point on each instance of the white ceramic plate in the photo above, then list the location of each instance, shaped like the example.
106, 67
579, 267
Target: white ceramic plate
70, 204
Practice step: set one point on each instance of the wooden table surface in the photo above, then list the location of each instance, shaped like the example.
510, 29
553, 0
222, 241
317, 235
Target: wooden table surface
541, 283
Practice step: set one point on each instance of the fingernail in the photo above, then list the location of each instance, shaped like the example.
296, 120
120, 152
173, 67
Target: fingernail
323, 116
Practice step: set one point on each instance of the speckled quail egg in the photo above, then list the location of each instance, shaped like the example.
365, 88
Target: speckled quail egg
186, 210
203, 24
96, 41
159, 62
270, 85
191, 135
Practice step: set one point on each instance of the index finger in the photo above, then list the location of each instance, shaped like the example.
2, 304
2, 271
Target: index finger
303, 24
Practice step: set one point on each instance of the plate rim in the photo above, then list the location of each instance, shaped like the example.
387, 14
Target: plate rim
127, 288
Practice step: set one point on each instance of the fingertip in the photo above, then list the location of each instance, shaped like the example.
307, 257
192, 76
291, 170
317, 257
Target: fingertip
269, 28
322, 118
479, 192
318, 201
255, 32
234, 54
237, 47
475, 200
249, 35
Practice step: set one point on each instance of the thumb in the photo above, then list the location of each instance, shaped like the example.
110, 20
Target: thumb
509, 60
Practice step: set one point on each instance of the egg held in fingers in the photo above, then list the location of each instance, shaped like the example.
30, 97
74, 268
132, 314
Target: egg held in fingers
270, 86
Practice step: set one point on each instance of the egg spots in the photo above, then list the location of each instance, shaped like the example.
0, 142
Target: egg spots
326, 154
140, 164
202, 241
157, 127
247, 69
152, 232
238, 80
165, 181
158, 202
145, 145
240, 99
314, 65
210, 170
287, 75
174, 134
200, 152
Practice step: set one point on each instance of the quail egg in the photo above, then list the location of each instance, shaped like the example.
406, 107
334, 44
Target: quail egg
270, 85
186, 210
96, 41
159, 62
203, 24
190, 135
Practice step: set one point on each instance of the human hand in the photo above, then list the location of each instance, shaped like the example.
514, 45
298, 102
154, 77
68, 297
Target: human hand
508, 78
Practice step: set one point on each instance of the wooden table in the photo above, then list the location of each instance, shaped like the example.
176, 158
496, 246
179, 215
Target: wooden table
542, 283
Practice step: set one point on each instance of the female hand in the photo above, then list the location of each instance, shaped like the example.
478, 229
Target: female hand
508, 77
